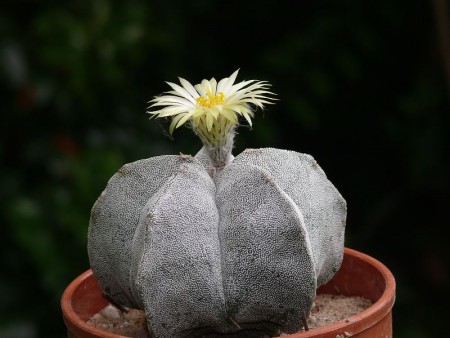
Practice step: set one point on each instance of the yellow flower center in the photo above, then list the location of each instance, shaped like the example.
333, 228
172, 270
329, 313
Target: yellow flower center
210, 100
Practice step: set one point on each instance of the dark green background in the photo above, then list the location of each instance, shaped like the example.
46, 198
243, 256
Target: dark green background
361, 87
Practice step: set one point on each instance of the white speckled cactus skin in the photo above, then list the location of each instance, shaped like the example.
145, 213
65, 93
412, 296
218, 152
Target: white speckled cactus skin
238, 251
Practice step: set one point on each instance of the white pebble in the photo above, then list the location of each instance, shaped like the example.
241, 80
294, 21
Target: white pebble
111, 312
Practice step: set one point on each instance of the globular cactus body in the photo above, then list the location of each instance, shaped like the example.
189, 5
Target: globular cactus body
212, 245
237, 251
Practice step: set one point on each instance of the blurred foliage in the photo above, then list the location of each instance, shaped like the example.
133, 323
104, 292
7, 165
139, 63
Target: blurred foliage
361, 88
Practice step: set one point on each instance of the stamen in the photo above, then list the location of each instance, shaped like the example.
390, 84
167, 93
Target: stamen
210, 100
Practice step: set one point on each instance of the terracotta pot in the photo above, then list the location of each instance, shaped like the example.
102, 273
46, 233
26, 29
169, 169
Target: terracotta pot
360, 275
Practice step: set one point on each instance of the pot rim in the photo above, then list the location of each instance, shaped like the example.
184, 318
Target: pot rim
352, 325
366, 318
69, 313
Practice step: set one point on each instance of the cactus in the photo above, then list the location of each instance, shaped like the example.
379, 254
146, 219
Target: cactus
216, 245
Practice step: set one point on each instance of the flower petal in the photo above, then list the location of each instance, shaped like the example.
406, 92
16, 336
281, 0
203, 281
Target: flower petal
239, 86
225, 84
189, 87
247, 117
174, 122
170, 99
209, 121
185, 118
200, 89
181, 91
213, 86
230, 115
215, 111
171, 111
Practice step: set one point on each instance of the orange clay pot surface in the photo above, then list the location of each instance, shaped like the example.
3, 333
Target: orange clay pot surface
359, 275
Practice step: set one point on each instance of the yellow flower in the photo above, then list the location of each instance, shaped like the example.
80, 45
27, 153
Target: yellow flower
212, 108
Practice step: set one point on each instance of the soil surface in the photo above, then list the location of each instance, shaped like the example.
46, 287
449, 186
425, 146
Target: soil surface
327, 309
